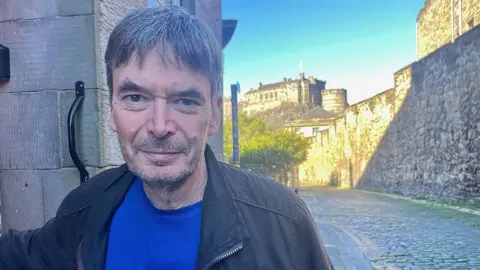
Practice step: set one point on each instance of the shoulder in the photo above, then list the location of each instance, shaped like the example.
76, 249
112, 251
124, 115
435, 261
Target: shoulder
82, 196
259, 191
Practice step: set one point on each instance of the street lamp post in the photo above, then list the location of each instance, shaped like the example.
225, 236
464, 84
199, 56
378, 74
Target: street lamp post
235, 88
293, 152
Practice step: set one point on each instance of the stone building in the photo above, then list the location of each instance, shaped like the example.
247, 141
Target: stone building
227, 106
422, 137
314, 106
310, 124
442, 21
300, 91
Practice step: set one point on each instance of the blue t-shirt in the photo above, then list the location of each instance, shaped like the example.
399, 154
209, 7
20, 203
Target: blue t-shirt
143, 237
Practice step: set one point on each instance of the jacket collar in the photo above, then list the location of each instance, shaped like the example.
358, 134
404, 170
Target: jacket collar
223, 227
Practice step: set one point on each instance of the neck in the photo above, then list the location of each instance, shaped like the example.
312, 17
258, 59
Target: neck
189, 193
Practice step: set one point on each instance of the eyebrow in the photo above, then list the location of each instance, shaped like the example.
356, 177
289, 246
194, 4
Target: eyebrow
191, 93
128, 86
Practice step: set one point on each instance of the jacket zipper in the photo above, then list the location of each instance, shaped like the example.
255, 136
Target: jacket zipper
79, 258
224, 255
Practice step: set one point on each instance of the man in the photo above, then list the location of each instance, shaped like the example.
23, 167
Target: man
172, 205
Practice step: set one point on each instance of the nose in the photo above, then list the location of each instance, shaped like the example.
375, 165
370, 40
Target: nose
160, 123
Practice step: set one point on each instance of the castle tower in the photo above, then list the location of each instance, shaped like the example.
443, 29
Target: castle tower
304, 89
334, 100
315, 89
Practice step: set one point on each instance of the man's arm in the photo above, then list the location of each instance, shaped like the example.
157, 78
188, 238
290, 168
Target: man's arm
32, 249
311, 251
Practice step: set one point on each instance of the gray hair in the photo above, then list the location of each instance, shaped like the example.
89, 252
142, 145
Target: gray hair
193, 44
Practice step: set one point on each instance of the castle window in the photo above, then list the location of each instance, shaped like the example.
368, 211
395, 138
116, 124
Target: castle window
271, 95
314, 131
276, 95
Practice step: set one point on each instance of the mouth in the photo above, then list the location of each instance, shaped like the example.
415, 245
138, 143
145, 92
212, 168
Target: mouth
160, 154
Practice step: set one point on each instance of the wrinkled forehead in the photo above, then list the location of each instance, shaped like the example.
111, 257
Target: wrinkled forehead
167, 55
162, 56
161, 74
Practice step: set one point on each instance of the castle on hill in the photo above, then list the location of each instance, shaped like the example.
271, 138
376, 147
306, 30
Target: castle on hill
324, 104
302, 90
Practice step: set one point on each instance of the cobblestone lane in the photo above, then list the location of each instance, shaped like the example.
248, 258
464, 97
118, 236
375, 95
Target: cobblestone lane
399, 234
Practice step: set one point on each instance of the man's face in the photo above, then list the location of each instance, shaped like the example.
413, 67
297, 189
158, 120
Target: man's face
163, 116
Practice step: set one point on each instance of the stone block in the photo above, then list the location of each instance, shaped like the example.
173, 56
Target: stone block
22, 199
29, 131
50, 53
110, 153
56, 184
27, 9
87, 135
35, 194
216, 143
32, 197
74, 7
210, 11
108, 14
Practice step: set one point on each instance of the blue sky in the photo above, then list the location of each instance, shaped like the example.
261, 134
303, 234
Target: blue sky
352, 44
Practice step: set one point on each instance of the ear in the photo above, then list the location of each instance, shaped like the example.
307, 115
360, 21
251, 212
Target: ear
111, 121
216, 117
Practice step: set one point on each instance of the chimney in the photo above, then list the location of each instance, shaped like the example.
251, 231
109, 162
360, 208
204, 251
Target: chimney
260, 84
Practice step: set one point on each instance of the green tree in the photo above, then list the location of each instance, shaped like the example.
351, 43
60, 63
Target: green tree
274, 153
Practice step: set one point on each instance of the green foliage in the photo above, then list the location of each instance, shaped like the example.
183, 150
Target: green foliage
264, 150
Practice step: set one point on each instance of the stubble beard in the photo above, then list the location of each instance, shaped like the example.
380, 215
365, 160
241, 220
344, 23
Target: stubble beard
167, 183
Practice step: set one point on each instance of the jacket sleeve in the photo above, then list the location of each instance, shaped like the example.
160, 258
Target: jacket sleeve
32, 249
311, 251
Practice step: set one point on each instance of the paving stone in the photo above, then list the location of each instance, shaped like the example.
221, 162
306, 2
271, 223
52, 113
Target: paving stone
398, 234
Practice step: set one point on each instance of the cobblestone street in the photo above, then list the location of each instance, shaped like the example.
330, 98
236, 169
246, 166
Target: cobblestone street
394, 233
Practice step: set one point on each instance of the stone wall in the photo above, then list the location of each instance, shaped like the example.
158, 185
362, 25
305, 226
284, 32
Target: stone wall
53, 43
341, 153
210, 11
421, 138
436, 26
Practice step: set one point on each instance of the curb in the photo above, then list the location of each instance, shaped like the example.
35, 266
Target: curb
457, 208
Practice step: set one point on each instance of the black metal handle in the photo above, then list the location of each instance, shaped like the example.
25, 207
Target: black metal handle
80, 95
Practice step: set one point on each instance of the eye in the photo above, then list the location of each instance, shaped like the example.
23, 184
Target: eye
188, 102
134, 98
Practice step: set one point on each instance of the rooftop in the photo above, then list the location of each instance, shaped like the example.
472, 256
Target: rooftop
281, 116
271, 86
317, 112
